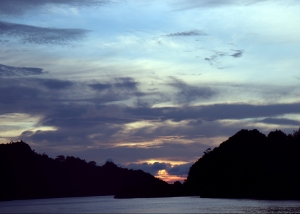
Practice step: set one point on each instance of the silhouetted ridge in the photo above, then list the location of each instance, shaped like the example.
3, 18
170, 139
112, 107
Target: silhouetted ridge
249, 165
28, 175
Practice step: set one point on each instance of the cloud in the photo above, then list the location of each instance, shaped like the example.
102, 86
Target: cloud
281, 121
229, 111
188, 33
11, 71
69, 106
123, 88
126, 83
101, 86
56, 84
214, 60
237, 54
297, 77
120, 84
18, 95
153, 168
94, 122
149, 167
187, 93
33, 95
189, 4
180, 170
19, 7
41, 35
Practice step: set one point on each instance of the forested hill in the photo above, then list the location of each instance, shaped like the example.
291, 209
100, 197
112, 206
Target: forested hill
28, 175
249, 165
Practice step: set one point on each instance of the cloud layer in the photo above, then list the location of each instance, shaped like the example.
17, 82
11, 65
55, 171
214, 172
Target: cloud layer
11, 71
40, 35
187, 4
187, 33
93, 121
19, 7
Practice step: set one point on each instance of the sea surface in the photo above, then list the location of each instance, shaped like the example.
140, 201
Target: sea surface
107, 204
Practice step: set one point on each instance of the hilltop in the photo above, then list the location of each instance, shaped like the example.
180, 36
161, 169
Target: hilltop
26, 174
249, 165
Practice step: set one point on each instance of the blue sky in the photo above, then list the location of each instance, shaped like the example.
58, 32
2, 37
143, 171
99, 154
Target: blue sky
149, 84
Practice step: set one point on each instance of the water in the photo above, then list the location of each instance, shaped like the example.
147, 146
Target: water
107, 204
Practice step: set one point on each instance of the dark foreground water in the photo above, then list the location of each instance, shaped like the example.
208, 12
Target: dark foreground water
107, 204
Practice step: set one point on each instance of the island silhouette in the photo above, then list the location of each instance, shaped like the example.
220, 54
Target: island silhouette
26, 174
247, 165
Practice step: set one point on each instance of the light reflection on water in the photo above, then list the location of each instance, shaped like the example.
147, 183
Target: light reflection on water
107, 204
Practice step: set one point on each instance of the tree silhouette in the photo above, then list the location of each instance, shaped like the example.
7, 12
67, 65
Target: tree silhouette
249, 165
26, 174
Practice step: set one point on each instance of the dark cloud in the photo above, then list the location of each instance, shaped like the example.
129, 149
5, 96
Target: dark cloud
56, 84
223, 111
88, 125
118, 89
214, 59
16, 95
101, 86
210, 120
19, 7
11, 71
180, 170
41, 35
33, 95
126, 83
188, 33
187, 93
237, 54
73, 110
281, 121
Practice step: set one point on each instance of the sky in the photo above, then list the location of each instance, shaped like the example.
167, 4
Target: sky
147, 84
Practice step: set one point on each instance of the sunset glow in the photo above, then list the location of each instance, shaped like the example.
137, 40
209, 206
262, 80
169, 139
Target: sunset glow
163, 175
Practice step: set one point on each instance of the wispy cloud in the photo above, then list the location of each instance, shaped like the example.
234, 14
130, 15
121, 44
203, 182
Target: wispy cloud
281, 121
187, 33
189, 4
19, 7
11, 71
237, 54
188, 93
125, 83
41, 35
55, 84
214, 59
